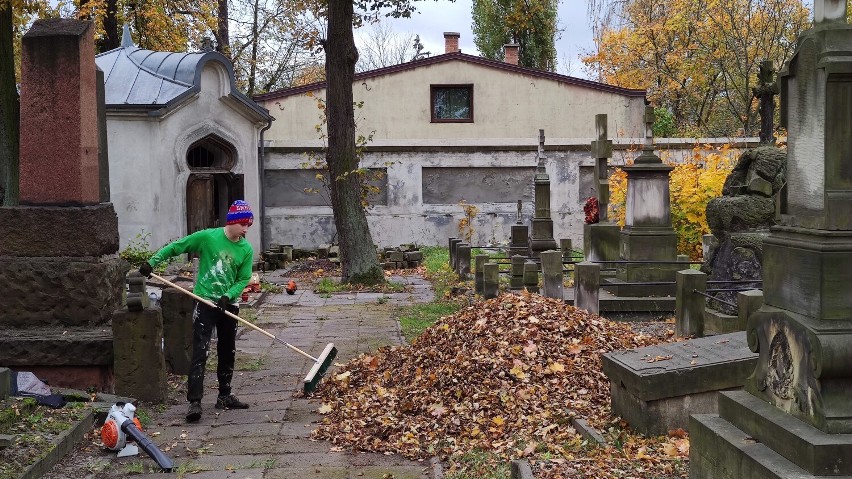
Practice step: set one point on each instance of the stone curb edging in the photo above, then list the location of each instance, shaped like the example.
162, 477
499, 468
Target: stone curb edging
586, 431
436, 470
521, 469
63, 444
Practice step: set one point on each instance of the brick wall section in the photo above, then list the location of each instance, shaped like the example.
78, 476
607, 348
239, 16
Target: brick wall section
511, 52
451, 42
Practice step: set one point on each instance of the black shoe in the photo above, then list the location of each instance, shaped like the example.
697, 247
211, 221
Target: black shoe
193, 414
230, 402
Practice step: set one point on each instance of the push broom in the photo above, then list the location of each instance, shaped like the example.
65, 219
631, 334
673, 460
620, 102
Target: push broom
321, 363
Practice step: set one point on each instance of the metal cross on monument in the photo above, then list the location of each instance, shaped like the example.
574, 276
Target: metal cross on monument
648, 155
765, 92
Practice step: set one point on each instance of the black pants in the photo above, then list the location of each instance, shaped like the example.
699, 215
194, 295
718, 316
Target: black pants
204, 319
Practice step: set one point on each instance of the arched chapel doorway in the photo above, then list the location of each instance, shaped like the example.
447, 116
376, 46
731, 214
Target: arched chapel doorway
211, 186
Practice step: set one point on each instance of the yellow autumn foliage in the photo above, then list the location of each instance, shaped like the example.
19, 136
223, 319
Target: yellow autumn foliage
693, 183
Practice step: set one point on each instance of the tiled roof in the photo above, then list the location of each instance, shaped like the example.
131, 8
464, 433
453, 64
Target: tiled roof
462, 57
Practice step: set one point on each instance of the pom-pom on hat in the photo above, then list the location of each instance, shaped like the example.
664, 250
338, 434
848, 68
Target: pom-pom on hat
240, 212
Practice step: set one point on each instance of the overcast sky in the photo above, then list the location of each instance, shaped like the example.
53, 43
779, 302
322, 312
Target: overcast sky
433, 18
436, 17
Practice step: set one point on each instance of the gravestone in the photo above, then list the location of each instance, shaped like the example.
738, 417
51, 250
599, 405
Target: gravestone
61, 278
519, 243
601, 239
647, 234
139, 364
795, 410
656, 388
541, 232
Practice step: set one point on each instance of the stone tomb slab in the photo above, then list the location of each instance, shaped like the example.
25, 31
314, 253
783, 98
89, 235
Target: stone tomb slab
656, 388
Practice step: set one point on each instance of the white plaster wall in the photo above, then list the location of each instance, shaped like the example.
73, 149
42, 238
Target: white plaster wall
506, 105
405, 219
148, 170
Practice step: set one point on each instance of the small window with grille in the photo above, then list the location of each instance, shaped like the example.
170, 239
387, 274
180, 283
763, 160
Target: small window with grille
452, 103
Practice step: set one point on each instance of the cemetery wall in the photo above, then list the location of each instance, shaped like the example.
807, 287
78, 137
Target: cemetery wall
420, 197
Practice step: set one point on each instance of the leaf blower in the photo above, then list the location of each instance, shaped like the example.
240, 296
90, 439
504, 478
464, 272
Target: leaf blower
122, 422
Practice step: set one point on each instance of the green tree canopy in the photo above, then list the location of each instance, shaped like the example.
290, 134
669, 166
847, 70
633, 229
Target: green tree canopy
530, 24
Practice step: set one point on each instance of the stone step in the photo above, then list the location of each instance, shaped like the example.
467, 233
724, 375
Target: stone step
719, 450
630, 308
809, 448
57, 346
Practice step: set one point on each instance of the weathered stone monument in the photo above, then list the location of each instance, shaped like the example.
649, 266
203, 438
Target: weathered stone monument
795, 420
740, 220
741, 217
61, 278
541, 232
647, 234
601, 239
519, 243
140, 368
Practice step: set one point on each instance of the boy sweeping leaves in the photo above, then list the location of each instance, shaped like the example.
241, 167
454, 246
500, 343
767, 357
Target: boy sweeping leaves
224, 270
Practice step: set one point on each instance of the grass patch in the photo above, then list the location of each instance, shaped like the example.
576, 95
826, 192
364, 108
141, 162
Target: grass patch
478, 464
414, 319
270, 287
436, 261
249, 315
434, 257
250, 364
328, 286
35, 430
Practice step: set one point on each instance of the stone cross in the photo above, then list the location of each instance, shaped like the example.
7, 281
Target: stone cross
830, 11
541, 235
602, 152
765, 92
648, 155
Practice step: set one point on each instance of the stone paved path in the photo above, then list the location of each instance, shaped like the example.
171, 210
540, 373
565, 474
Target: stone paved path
271, 439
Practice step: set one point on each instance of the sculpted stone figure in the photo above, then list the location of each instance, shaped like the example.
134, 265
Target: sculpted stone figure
740, 219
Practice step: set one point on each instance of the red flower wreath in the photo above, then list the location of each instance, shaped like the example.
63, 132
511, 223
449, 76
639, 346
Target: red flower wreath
591, 210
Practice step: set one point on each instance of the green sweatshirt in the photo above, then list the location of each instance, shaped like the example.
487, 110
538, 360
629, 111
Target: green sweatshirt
224, 266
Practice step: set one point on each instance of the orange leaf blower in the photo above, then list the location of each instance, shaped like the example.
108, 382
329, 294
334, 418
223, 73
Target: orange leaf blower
122, 422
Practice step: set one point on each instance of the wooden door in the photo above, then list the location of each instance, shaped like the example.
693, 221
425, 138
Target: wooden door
199, 203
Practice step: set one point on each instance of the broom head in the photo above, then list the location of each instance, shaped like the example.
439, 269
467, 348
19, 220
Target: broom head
319, 368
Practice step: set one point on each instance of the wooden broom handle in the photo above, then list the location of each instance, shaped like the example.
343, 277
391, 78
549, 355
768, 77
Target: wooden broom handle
213, 305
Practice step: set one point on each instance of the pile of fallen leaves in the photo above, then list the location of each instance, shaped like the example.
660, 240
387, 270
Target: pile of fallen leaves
505, 376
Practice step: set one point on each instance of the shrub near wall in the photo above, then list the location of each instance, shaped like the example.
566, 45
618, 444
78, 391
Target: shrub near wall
693, 183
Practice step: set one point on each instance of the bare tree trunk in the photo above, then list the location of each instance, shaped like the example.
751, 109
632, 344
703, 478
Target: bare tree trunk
223, 36
357, 252
111, 39
9, 113
254, 39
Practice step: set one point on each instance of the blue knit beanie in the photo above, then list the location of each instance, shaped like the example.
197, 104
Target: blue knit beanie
240, 212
